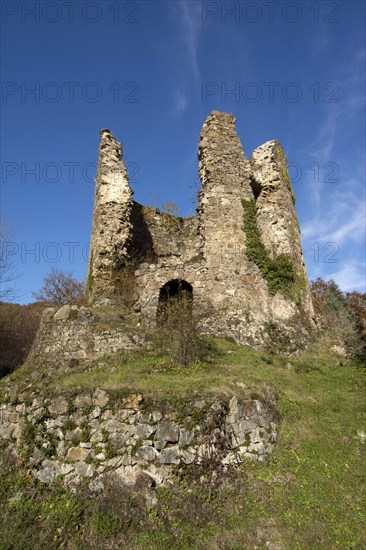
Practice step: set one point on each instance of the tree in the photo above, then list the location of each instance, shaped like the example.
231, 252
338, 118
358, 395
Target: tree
8, 274
342, 315
18, 327
356, 302
60, 288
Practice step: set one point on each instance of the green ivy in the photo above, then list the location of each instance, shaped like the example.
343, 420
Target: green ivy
90, 280
282, 161
279, 273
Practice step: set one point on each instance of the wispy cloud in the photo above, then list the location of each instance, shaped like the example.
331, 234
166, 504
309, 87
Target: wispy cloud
192, 22
321, 152
336, 217
180, 102
349, 274
350, 277
336, 224
336, 123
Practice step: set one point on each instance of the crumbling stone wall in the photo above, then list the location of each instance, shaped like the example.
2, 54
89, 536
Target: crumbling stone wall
93, 434
208, 251
111, 220
71, 334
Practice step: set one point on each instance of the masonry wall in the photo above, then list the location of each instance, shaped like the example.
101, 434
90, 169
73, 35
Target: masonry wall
91, 435
111, 218
207, 250
70, 334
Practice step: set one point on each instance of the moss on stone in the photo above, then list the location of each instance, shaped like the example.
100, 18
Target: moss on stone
282, 161
73, 315
90, 280
298, 288
279, 273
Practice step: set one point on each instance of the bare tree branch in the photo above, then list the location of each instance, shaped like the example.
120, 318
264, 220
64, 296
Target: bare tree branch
8, 273
60, 288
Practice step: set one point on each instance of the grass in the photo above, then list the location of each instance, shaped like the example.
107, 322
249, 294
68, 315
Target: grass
156, 377
309, 495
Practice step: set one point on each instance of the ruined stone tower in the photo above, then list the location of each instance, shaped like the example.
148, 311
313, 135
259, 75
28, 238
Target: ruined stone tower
240, 257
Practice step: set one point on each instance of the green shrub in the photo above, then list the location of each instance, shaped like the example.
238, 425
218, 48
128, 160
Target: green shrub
106, 524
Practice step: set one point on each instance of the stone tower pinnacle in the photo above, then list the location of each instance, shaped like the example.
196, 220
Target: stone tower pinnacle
111, 218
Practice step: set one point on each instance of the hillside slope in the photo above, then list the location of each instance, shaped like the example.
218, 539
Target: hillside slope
308, 495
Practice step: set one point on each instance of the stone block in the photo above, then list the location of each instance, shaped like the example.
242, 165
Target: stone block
170, 455
147, 453
83, 400
167, 431
47, 473
144, 431
185, 437
63, 313
59, 405
77, 453
100, 398
84, 470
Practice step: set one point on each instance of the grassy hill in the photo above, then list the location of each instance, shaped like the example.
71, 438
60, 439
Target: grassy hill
309, 495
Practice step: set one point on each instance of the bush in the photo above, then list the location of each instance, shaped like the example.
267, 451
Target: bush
177, 334
18, 328
342, 315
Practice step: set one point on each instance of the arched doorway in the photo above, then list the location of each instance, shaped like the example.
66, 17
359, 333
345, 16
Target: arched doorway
175, 302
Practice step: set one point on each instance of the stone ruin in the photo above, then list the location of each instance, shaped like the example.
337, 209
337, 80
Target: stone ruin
239, 258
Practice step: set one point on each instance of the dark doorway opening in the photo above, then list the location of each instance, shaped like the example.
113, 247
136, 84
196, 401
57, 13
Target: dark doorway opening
256, 188
175, 299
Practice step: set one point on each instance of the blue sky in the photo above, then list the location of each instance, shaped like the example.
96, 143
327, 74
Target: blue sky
151, 72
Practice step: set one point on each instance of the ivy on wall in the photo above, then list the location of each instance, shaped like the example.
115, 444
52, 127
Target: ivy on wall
89, 280
279, 273
282, 161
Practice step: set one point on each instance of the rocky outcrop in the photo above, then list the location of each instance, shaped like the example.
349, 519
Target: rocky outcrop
92, 434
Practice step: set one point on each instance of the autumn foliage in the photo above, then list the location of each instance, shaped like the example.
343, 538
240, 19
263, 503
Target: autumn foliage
343, 314
18, 327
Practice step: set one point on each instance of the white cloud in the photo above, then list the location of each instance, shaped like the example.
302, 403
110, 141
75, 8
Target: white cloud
342, 219
180, 102
192, 19
352, 276
331, 228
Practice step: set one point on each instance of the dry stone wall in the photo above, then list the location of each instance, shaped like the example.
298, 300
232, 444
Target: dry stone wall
92, 434
70, 334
